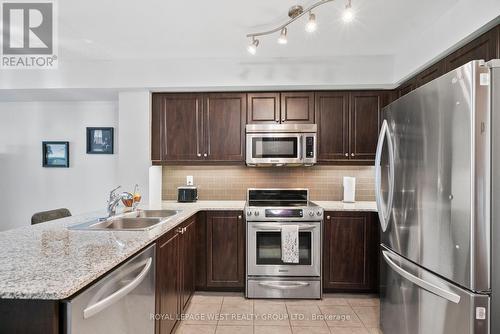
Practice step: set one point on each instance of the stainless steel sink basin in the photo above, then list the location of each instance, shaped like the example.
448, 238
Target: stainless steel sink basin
152, 213
133, 221
123, 223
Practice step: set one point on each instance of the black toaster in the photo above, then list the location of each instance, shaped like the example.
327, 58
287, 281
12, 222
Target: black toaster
187, 194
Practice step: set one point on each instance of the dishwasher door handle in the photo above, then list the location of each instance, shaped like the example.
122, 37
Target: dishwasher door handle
119, 294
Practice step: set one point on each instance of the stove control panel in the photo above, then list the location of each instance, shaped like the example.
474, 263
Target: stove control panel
284, 213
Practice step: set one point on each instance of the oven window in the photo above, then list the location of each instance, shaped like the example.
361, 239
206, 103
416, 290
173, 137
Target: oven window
277, 147
269, 248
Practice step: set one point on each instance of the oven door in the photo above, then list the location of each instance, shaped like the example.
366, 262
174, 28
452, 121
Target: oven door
264, 250
274, 148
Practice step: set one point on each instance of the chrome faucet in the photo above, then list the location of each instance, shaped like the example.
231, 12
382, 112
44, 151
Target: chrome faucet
114, 200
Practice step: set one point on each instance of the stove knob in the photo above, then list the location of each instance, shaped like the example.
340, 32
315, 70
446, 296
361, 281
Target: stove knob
318, 213
249, 213
256, 213
311, 213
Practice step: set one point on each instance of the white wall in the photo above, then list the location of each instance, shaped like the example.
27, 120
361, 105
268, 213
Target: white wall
134, 157
25, 186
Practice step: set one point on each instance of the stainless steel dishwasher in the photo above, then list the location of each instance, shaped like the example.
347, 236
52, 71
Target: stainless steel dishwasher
123, 301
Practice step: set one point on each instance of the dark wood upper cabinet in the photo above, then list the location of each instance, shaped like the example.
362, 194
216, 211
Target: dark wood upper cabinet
263, 108
484, 47
350, 251
407, 87
179, 131
192, 128
365, 114
429, 74
225, 249
225, 126
168, 282
332, 118
297, 107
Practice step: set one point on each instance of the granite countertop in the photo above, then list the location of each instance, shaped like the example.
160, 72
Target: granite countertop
48, 261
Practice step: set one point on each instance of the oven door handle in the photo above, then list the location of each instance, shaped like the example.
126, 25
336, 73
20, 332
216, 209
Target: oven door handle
277, 227
288, 286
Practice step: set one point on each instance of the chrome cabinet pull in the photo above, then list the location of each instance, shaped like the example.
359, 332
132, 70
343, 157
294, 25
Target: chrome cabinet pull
347, 154
239, 217
328, 217
352, 154
119, 294
199, 154
204, 154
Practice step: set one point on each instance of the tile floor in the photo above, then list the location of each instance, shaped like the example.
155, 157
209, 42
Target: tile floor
231, 313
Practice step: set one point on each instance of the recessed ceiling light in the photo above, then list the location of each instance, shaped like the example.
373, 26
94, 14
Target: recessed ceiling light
311, 24
282, 39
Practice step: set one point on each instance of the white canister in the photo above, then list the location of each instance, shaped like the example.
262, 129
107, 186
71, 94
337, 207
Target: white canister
349, 189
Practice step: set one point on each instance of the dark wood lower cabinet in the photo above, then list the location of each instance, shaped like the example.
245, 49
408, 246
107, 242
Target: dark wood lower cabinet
350, 252
167, 282
225, 250
175, 274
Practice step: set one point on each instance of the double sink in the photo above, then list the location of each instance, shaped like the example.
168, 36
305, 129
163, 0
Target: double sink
139, 220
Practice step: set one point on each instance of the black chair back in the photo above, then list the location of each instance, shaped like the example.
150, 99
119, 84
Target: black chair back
46, 216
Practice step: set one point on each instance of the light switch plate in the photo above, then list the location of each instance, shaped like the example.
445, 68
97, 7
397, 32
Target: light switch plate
189, 180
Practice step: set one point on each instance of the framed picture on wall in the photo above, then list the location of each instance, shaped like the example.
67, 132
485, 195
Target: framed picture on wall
55, 154
100, 140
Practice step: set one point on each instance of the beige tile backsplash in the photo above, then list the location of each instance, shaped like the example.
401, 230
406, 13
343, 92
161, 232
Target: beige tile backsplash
232, 182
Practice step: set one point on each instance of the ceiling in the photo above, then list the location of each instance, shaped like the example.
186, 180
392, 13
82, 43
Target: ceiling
186, 44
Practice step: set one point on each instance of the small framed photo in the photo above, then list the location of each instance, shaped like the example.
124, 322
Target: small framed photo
100, 140
55, 154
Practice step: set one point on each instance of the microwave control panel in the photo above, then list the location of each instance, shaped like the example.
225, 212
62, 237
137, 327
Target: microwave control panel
309, 147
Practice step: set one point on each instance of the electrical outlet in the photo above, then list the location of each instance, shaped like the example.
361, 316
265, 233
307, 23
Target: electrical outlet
189, 180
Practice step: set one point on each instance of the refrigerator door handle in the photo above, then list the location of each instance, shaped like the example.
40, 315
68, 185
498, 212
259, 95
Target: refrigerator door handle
448, 295
384, 216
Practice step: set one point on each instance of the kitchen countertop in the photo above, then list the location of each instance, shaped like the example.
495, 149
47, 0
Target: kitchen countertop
48, 261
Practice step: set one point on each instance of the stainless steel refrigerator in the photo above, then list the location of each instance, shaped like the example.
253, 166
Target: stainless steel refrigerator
438, 197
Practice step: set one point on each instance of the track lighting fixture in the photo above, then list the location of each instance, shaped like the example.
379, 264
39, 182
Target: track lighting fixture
311, 24
252, 48
282, 39
295, 13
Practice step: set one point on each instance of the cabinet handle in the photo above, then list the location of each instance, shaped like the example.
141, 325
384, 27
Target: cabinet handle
204, 154
180, 230
327, 217
347, 154
352, 154
239, 217
277, 121
199, 154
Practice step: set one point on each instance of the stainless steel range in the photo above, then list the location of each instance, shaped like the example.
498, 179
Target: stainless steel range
267, 212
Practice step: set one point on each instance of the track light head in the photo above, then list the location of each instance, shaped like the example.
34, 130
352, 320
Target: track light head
348, 14
252, 47
283, 39
311, 24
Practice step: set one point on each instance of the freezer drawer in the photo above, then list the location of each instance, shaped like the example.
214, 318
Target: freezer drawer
415, 301
121, 302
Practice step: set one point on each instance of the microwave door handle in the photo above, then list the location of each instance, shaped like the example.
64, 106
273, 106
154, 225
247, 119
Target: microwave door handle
302, 143
119, 294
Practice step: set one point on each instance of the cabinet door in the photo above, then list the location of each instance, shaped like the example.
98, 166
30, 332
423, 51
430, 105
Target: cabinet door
297, 107
332, 118
181, 133
156, 127
188, 261
225, 249
263, 108
167, 282
365, 110
201, 251
350, 252
483, 47
225, 127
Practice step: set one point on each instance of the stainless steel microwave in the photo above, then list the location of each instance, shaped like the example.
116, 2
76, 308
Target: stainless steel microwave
281, 144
